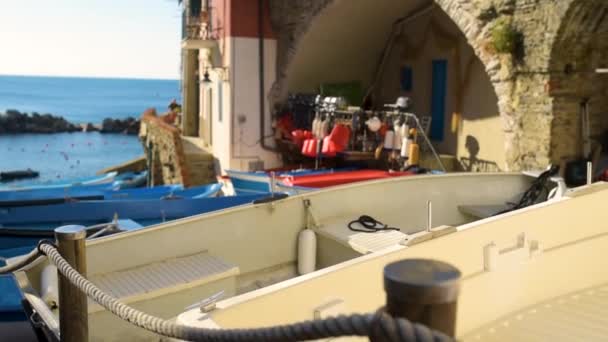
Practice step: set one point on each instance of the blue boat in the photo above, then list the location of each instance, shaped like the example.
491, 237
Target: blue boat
101, 192
165, 191
257, 182
129, 180
106, 179
14, 322
25, 226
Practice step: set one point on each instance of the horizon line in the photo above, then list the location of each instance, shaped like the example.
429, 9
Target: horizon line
100, 77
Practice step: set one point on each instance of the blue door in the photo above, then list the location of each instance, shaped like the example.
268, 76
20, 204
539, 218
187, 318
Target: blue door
439, 89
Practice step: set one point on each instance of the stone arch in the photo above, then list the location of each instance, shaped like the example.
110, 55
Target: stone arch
295, 19
579, 47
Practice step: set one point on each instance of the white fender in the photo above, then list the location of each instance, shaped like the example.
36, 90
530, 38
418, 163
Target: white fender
307, 251
49, 286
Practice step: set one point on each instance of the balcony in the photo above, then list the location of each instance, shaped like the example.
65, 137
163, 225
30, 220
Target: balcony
197, 32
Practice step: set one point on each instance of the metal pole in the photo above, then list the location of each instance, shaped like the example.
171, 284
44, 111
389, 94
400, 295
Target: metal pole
73, 311
273, 182
589, 173
426, 139
423, 291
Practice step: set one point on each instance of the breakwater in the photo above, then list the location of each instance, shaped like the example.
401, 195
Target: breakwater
15, 122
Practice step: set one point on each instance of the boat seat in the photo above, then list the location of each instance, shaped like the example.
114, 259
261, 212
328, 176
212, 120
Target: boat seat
482, 211
337, 229
166, 277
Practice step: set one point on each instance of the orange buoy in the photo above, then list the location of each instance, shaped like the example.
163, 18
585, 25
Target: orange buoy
414, 153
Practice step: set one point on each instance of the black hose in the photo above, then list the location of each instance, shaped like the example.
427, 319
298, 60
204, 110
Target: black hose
533, 194
369, 225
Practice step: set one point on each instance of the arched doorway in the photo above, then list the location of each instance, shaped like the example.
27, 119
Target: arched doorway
378, 43
579, 49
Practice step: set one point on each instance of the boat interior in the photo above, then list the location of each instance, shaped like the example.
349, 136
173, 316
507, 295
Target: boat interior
537, 274
164, 269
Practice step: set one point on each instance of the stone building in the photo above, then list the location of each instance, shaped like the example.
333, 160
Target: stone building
505, 81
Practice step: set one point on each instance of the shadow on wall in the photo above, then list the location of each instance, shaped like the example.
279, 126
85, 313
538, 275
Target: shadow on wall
474, 164
217, 167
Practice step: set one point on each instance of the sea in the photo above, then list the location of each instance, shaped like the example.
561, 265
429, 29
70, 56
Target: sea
64, 156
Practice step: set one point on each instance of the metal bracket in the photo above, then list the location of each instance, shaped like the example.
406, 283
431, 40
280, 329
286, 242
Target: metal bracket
208, 304
425, 235
524, 250
310, 216
332, 308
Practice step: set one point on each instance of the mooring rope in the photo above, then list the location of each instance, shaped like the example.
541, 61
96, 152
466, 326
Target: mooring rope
379, 326
26, 260
104, 228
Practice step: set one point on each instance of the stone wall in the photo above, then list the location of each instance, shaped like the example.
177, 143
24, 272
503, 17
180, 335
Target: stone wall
175, 159
580, 47
537, 103
163, 145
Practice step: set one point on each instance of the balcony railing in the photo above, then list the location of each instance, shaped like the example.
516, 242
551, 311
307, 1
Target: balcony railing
197, 28
197, 24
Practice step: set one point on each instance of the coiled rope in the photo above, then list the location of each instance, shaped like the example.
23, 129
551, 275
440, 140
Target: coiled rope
379, 326
369, 225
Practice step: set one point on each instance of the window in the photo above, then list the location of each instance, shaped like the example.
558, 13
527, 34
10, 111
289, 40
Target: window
438, 95
195, 7
406, 79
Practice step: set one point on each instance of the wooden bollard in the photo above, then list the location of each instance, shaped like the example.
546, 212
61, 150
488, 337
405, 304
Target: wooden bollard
73, 311
423, 291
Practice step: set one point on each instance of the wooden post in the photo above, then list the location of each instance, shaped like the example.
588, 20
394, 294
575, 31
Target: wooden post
423, 291
73, 311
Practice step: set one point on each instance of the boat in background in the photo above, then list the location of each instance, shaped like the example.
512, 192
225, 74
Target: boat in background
251, 182
25, 226
534, 275
9, 176
296, 182
89, 193
93, 180
130, 180
324, 180
242, 249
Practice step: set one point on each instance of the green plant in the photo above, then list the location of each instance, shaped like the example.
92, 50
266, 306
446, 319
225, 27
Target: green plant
504, 36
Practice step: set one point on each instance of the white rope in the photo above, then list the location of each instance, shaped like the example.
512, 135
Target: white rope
379, 326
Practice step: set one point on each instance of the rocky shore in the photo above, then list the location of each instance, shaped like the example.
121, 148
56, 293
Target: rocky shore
13, 121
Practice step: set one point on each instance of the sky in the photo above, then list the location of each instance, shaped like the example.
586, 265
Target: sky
91, 38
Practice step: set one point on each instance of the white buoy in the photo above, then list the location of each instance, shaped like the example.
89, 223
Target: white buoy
49, 286
315, 127
324, 131
307, 251
405, 145
397, 135
389, 138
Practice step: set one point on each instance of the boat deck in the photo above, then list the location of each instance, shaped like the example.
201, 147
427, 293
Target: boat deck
337, 230
580, 316
162, 277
